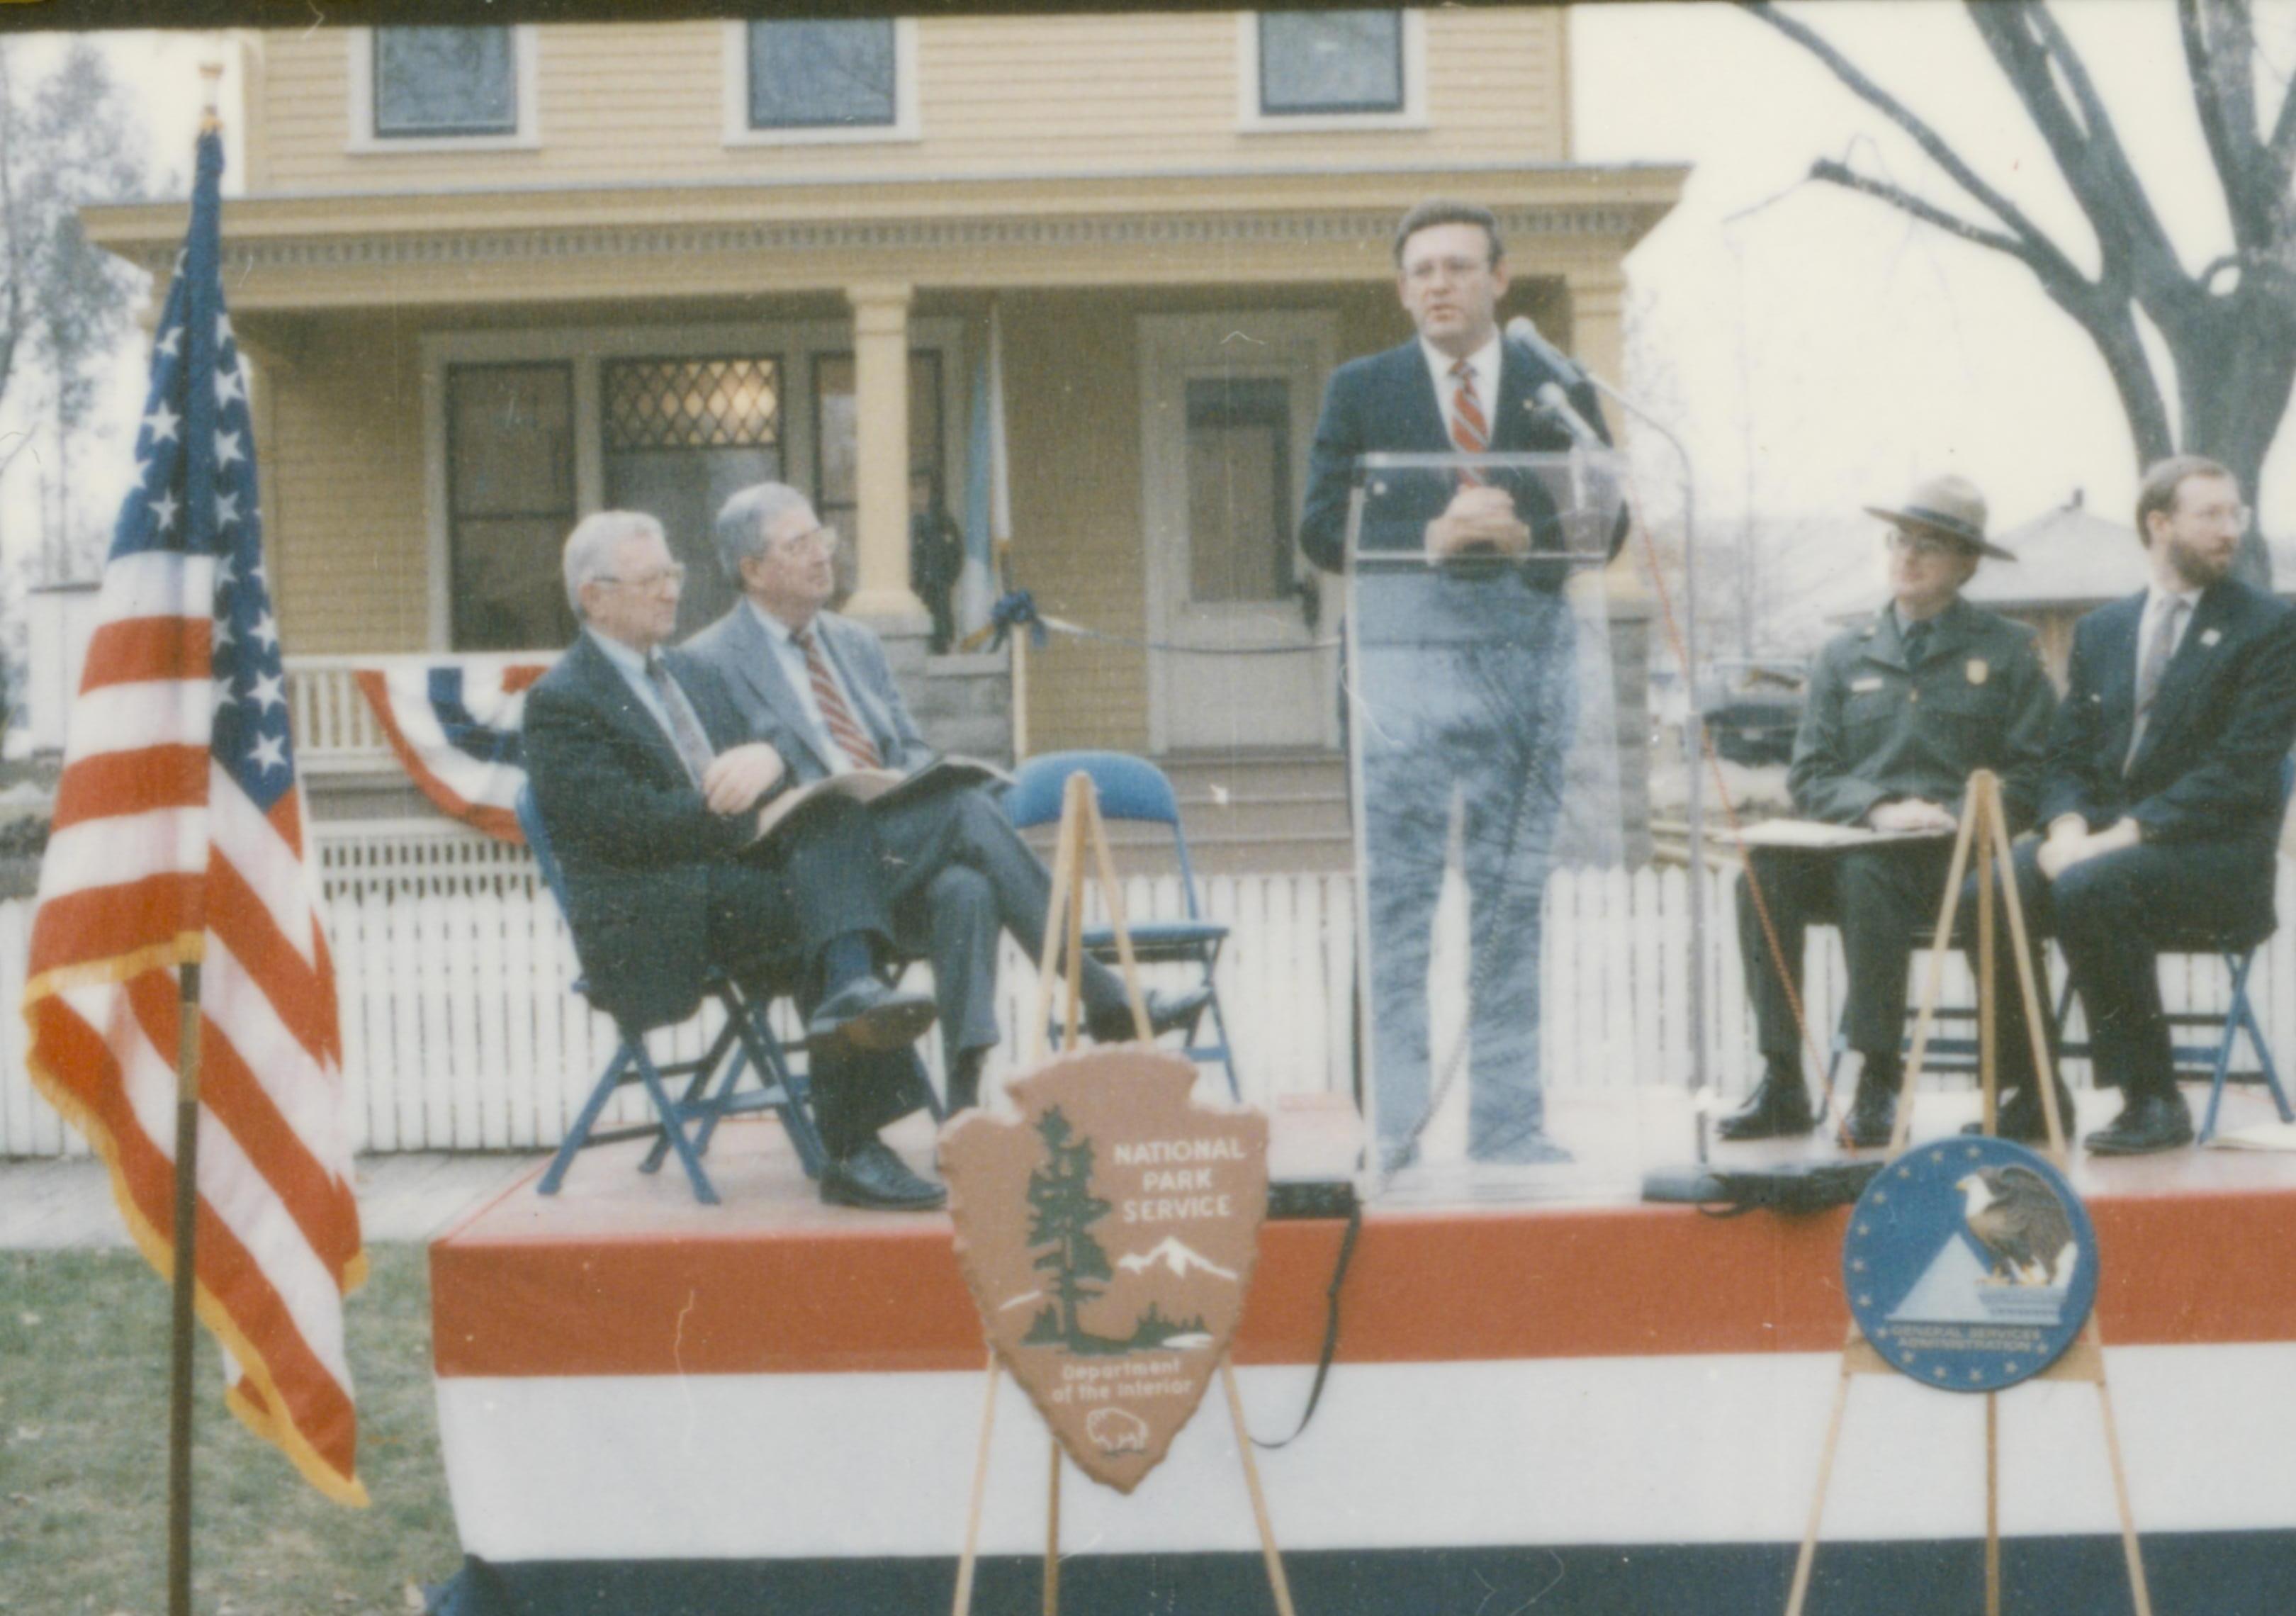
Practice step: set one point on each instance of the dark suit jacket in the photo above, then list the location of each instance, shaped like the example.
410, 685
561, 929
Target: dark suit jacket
2222, 722
738, 650
1386, 404
633, 837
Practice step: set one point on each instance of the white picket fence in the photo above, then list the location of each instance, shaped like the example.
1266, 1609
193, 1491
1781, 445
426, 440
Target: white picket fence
460, 1033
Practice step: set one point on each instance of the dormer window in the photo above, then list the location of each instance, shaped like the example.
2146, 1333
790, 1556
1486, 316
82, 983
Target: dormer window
1330, 62
427, 88
1326, 69
444, 81
814, 79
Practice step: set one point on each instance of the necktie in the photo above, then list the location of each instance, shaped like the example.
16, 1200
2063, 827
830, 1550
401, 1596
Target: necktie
1471, 429
836, 716
1918, 642
2157, 654
694, 748
2151, 671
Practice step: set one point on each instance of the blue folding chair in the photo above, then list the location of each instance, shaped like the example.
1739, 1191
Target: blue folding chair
685, 1120
2213, 1058
1130, 788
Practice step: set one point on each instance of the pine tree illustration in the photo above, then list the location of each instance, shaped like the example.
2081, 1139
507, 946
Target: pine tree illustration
1065, 1209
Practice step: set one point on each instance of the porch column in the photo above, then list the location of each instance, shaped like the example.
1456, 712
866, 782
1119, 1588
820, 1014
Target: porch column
1598, 303
881, 390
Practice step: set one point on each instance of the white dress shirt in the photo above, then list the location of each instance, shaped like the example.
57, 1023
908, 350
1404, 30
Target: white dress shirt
1484, 363
793, 668
2156, 602
631, 664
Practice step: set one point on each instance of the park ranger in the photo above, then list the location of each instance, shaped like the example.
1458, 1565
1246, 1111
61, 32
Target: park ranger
1901, 710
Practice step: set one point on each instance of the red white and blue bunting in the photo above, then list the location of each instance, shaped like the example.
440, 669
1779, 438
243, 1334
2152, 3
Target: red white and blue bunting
454, 726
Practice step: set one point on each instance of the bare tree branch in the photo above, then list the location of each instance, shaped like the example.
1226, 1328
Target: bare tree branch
2032, 53
1933, 146
2219, 40
1835, 173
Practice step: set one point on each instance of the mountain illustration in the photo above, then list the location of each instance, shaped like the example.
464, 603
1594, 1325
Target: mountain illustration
1176, 1257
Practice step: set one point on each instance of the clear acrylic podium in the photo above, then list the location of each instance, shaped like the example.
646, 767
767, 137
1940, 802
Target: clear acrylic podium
1483, 744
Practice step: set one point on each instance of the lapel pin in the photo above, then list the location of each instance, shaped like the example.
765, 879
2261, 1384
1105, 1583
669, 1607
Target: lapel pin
1978, 671
2209, 636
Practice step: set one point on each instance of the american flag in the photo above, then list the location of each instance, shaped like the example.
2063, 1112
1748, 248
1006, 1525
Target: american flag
178, 837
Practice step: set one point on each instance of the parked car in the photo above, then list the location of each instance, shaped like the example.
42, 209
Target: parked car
1752, 706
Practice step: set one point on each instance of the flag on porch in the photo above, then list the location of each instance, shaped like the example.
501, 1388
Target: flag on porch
178, 837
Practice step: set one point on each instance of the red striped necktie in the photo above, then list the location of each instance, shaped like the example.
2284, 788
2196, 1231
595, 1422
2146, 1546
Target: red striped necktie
836, 716
1471, 429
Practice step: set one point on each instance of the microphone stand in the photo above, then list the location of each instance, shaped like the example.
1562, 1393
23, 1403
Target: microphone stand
1693, 750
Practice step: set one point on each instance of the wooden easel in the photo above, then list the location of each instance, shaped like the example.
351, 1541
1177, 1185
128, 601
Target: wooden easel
1064, 941
1983, 826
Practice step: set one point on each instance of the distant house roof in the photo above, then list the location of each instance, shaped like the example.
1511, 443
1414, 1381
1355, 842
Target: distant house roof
2071, 557
2068, 556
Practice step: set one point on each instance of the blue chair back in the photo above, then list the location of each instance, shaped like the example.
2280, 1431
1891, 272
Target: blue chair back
537, 840
1127, 787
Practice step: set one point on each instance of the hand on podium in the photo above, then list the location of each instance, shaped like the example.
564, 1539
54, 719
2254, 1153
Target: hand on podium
1480, 520
1911, 814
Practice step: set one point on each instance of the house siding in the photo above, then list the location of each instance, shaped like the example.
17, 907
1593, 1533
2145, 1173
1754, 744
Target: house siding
340, 445
636, 103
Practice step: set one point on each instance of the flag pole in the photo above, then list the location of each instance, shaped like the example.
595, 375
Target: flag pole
179, 1379
185, 1286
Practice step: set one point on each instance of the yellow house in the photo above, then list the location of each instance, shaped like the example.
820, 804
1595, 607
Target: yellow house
491, 278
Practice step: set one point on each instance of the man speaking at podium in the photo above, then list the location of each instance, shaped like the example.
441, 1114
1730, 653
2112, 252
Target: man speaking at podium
1901, 710
1465, 686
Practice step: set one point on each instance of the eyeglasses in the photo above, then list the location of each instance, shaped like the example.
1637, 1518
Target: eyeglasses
673, 575
1921, 544
2233, 515
821, 539
1421, 271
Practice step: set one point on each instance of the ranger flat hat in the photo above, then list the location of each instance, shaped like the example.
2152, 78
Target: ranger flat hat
1949, 506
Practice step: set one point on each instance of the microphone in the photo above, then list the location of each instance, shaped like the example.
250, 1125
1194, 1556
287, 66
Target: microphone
1520, 330
1550, 394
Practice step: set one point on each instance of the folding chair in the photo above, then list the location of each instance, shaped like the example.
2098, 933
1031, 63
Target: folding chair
683, 1121
1134, 789
1957, 1052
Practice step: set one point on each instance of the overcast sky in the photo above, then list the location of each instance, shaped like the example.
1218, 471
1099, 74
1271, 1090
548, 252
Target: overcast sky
1827, 349
1819, 350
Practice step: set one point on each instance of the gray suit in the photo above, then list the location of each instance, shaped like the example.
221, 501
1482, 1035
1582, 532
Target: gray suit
956, 870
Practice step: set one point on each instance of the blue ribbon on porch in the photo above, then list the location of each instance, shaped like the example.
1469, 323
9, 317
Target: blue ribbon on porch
1016, 608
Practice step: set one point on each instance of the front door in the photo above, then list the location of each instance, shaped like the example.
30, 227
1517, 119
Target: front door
1228, 408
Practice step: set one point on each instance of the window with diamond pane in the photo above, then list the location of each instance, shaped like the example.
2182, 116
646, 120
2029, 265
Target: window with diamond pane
440, 81
682, 437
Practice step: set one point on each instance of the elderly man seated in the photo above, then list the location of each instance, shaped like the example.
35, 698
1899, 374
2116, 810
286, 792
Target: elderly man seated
815, 688
654, 814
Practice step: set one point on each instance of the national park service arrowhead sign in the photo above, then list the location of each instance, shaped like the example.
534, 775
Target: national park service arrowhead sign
1107, 1233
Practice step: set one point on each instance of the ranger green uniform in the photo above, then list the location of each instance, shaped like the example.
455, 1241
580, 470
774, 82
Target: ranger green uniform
1875, 729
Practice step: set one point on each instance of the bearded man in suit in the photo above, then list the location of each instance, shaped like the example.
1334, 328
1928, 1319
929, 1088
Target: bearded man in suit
653, 804
815, 687
2162, 794
1470, 665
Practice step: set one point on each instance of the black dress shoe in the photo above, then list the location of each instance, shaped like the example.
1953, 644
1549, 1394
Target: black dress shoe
1778, 1110
2147, 1122
871, 1175
2022, 1119
867, 1014
1872, 1118
1113, 1024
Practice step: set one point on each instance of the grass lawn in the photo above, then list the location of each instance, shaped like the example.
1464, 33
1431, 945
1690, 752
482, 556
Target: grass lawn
83, 1462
